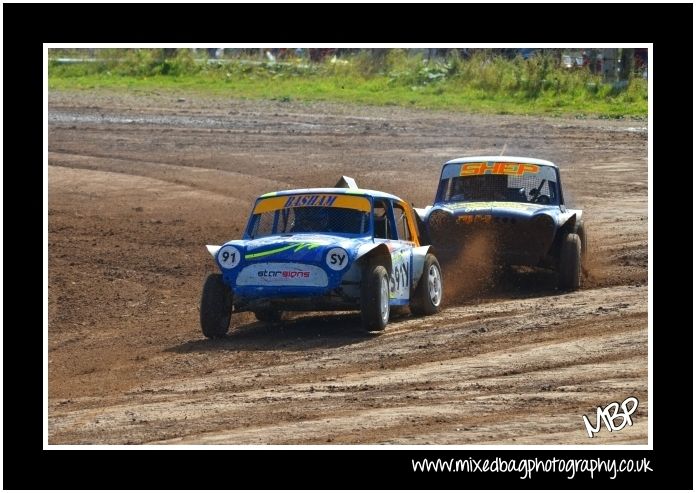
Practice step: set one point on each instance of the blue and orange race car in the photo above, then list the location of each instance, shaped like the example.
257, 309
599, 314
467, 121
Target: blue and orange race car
339, 248
517, 205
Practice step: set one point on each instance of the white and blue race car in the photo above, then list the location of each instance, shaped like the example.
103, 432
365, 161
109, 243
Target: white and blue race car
316, 249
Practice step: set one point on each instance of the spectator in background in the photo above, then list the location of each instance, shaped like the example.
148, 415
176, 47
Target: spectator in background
214, 52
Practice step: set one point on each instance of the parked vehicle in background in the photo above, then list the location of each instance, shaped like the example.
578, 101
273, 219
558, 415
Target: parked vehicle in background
573, 59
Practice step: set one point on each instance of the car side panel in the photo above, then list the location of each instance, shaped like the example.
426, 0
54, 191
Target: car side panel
401, 273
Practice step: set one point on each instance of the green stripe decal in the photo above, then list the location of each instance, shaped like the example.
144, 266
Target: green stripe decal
296, 246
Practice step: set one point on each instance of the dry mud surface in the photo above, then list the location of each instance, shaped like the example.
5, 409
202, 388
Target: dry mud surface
139, 183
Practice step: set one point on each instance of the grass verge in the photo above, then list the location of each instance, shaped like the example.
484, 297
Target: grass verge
538, 86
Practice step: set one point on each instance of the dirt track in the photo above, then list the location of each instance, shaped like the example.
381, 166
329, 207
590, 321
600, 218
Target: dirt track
139, 184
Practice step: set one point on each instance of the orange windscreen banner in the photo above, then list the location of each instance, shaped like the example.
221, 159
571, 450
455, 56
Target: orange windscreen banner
360, 203
503, 168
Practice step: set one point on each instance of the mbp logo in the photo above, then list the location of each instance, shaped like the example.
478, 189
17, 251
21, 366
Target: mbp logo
609, 415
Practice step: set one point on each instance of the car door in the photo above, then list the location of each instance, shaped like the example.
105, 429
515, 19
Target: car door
394, 228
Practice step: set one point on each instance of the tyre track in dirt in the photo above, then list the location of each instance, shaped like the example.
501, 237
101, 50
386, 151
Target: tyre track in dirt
462, 380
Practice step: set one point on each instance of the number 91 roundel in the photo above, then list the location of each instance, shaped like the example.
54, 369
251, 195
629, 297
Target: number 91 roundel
229, 257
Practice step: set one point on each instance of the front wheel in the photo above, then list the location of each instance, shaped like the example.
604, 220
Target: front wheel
570, 263
374, 298
427, 299
216, 307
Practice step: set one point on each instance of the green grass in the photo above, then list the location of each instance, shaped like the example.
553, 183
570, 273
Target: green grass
482, 85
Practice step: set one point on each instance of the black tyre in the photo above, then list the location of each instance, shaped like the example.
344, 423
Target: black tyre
269, 316
570, 263
427, 299
374, 297
216, 307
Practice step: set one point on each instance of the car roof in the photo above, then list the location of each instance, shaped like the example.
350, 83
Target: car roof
500, 159
345, 191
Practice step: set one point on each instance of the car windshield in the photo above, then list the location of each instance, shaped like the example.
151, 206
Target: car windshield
499, 182
310, 214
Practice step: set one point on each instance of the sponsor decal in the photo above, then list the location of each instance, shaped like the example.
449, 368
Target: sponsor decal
310, 200
229, 257
288, 274
295, 247
399, 280
516, 169
337, 259
475, 218
472, 206
282, 274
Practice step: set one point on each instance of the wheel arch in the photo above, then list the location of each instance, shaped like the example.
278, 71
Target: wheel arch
569, 226
377, 251
419, 254
574, 224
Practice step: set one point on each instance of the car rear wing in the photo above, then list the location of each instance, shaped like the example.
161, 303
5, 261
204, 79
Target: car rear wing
346, 182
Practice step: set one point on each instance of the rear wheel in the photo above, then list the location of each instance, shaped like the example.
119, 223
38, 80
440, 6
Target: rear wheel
374, 297
427, 298
216, 307
570, 263
269, 316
